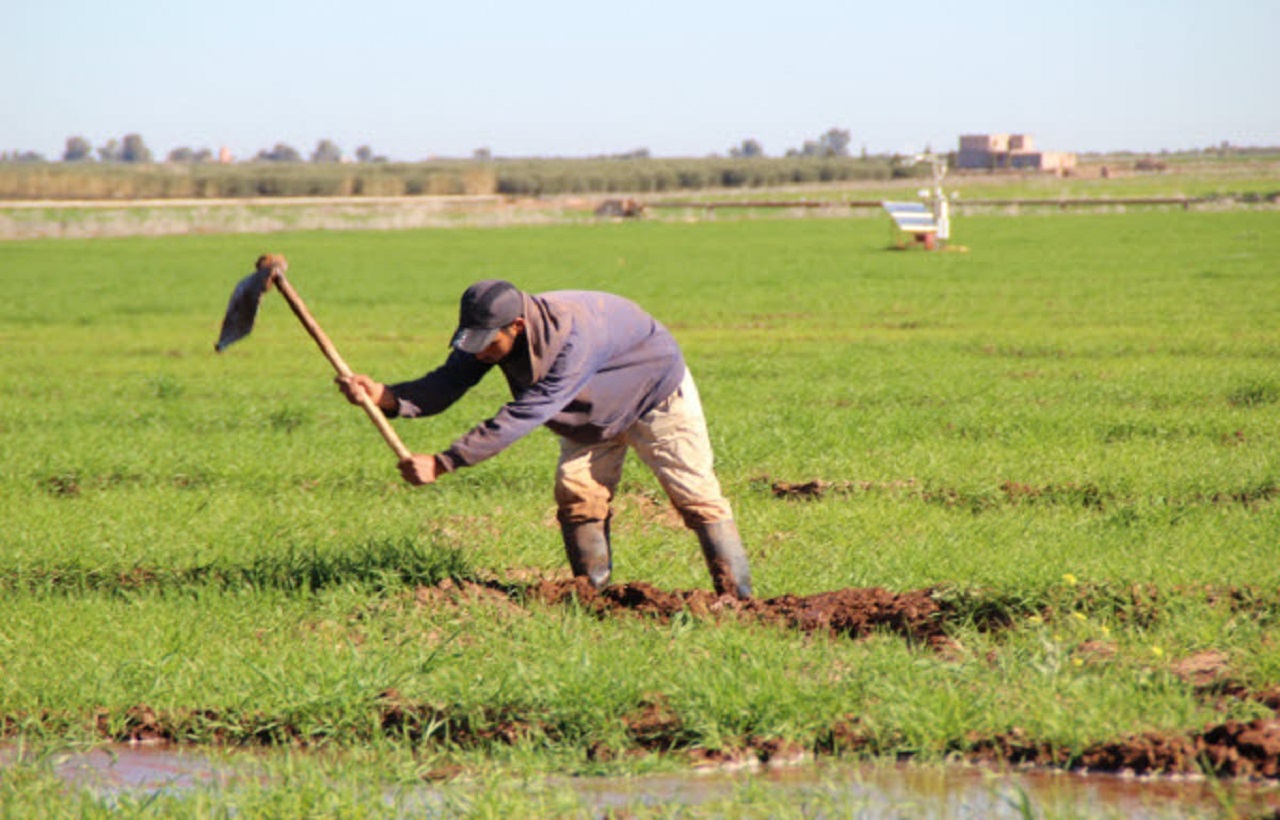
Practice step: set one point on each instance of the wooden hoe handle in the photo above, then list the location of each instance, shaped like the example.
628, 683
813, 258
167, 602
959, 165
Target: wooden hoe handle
374, 412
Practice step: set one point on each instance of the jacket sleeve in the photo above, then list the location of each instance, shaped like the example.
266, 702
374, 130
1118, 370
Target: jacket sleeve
568, 375
438, 390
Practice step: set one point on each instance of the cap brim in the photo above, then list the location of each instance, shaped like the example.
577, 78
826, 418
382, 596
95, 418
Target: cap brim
473, 339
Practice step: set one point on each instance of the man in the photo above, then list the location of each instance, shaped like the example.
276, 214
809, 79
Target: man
604, 376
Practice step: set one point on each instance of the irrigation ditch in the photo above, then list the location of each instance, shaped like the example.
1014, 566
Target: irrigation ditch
862, 789
926, 618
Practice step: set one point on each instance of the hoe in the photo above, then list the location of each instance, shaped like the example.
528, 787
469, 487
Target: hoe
243, 309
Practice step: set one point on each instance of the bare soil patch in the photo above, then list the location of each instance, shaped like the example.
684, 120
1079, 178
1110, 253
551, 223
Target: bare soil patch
1231, 749
853, 613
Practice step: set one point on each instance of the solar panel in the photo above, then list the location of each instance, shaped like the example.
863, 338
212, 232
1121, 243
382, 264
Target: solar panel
911, 216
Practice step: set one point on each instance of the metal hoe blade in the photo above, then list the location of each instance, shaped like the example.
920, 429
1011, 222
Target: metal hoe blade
243, 307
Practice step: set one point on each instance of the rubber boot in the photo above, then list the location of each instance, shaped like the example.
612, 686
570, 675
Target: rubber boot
726, 559
586, 544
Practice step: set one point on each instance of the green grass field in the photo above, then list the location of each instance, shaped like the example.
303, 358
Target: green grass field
1080, 404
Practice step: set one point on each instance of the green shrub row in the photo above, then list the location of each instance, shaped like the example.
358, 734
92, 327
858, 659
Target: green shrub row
535, 177
520, 177
255, 179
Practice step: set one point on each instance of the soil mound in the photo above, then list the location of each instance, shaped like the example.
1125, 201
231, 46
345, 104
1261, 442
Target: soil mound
1231, 749
847, 612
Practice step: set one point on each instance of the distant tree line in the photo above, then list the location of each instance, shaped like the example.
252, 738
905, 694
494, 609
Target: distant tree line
524, 177
132, 149
832, 144
126, 168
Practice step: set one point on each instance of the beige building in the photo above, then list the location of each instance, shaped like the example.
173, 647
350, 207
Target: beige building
1018, 151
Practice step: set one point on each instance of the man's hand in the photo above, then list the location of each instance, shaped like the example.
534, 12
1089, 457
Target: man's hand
420, 469
352, 386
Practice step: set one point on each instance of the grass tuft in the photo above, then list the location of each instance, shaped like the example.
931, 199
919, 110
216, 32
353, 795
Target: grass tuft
1259, 393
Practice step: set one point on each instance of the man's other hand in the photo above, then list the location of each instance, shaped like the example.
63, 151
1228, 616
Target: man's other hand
352, 386
420, 469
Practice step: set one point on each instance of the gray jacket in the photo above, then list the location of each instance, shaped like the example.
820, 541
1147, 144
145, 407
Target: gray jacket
587, 366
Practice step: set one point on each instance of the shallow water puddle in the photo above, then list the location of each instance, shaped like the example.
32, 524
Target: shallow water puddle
144, 768
945, 791
866, 790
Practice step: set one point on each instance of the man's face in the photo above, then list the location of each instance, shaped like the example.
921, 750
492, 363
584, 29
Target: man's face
502, 343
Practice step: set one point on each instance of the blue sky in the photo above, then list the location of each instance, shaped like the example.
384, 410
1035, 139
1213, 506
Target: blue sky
571, 78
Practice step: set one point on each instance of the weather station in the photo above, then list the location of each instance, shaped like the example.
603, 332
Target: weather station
924, 224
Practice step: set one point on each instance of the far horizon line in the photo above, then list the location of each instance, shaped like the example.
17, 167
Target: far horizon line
638, 154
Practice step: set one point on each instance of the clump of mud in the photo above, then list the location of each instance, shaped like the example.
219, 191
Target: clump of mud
1231, 749
852, 613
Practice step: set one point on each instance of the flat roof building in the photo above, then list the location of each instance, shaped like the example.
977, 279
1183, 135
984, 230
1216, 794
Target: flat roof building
1016, 151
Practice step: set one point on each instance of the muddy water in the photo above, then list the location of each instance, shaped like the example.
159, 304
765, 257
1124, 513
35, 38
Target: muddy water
142, 768
945, 791
865, 791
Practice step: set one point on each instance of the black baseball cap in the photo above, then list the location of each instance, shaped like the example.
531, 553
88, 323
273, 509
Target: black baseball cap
486, 308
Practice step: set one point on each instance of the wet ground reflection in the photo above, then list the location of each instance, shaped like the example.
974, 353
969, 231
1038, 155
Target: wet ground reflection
146, 768
949, 791
858, 790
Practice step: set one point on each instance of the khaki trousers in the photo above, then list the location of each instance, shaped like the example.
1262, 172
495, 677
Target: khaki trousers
671, 439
